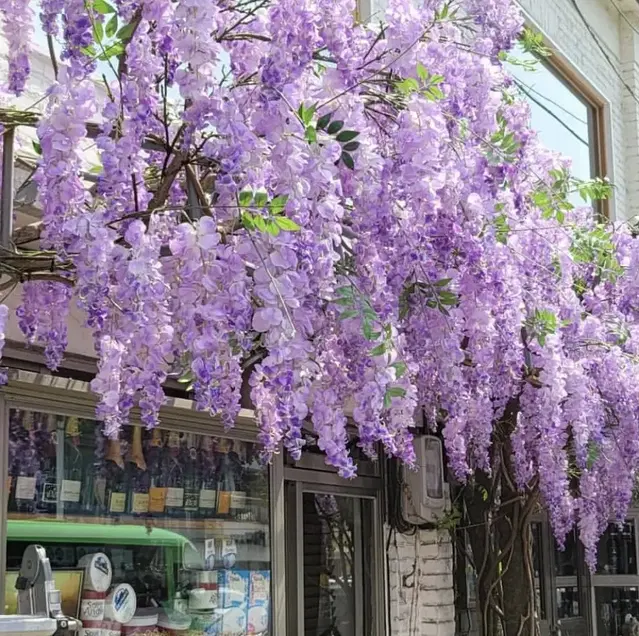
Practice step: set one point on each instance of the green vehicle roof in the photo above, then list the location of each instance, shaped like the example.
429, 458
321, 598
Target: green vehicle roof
68, 531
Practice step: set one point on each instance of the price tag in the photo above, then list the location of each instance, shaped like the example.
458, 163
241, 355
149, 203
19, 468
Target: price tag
25, 487
140, 503
224, 502
209, 553
208, 499
229, 547
174, 497
117, 502
157, 499
70, 491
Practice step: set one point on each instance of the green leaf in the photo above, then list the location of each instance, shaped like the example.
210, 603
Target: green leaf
126, 31
436, 93
379, 350
245, 198
422, 73
306, 114
37, 147
98, 31
277, 205
112, 51
347, 135
95, 169
349, 313
369, 334
284, 223
100, 6
400, 368
408, 86
335, 127
260, 199
351, 146
348, 160
310, 134
111, 26
272, 228
346, 291
392, 392
260, 223
186, 378
89, 51
323, 121
247, 221
345, 302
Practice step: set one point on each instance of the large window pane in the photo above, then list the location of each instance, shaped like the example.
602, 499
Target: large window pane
181, 518
615, 606
559, 114
617, 552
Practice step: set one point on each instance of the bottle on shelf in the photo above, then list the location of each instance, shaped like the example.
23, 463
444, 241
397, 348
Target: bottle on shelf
138, 477
24, 465
116, 487
191, 476
94, 495
156, 461
175, 485
71, 490
225, 480
237, 460
208, 478
45, 437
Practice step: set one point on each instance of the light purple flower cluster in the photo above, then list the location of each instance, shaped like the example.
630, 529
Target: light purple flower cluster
17, 29
361, 228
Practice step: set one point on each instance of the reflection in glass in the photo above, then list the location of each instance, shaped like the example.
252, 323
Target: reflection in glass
615, 607
336, 569
568, 602
182, 518
540, 600
566, 560
617, 553
559, 114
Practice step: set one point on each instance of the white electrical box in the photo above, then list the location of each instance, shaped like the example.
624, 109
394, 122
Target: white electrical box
425, 493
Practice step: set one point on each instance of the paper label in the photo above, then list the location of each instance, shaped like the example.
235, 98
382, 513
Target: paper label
224, 502
238, 500
208, 499
209, 553
92, 610
174, 497
117, 502
50, 492
140, 504
157, 499
229, 547
259, 588
25, 487
70, 490
91, 631
191, 499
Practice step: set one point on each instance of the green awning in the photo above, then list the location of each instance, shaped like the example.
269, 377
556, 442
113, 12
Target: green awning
68, 531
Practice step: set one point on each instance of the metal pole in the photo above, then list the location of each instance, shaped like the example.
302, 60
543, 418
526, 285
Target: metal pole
6, 203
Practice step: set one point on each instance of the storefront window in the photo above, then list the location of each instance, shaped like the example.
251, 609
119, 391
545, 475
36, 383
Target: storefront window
617, 552
615, 607
181, 518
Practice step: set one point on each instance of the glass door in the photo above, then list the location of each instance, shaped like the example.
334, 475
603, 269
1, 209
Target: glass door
332, 577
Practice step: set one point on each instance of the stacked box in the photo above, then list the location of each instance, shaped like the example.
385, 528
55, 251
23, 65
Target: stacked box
233, 591
259, 602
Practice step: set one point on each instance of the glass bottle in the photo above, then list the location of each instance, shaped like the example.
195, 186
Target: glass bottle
137, 476
225, 481
208, 477
115, 478
24, 463
175, 486
237, 461
45, 437
156, 461
71, 490
94, 496
191, 476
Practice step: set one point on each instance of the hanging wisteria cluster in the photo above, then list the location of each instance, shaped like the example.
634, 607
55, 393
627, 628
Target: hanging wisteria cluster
357, 214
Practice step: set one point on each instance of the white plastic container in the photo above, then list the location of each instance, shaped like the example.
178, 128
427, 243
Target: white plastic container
121, 604
27, 626
97, 571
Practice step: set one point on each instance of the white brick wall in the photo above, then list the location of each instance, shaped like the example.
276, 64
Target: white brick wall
420, 580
